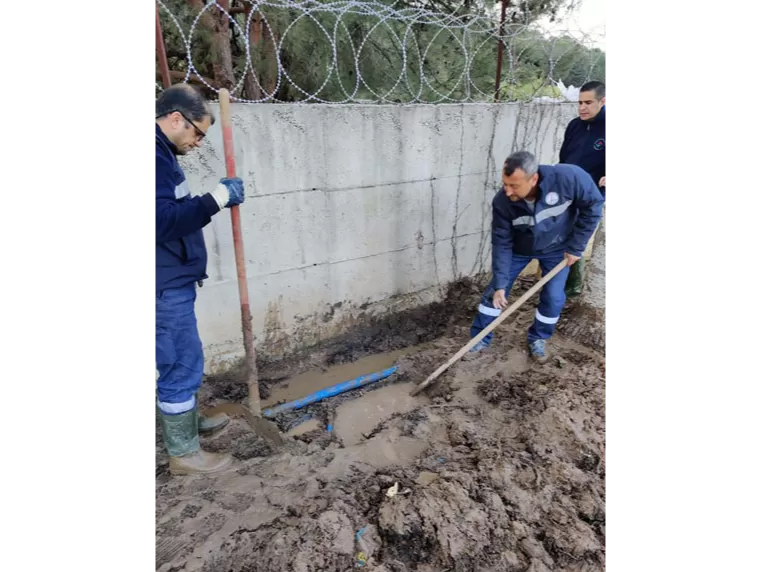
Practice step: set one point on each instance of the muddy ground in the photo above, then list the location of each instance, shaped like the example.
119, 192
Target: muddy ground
499, 466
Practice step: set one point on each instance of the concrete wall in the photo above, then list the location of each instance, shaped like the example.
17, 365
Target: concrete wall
354, 210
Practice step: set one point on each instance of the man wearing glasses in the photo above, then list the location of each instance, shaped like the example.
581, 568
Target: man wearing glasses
182, 121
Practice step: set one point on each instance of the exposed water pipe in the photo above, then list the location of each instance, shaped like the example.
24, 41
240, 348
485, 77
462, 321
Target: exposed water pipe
327, 392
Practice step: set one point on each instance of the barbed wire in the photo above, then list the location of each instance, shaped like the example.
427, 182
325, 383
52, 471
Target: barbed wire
442, 57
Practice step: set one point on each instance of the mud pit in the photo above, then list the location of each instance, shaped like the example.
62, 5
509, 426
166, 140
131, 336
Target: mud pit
499, 466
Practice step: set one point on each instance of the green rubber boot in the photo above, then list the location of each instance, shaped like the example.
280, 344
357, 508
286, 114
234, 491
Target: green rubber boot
574, 286
181, 438
211, 424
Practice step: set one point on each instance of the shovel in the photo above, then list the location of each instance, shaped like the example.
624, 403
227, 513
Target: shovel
252, 413
490, 327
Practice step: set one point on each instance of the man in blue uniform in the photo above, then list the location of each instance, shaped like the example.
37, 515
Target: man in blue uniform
584, 146
182, 121
543, 212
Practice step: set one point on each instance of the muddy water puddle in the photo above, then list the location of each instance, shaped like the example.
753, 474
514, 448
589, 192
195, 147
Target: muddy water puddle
316, 379
355, 418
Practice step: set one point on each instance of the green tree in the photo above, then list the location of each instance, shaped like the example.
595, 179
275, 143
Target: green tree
377, 57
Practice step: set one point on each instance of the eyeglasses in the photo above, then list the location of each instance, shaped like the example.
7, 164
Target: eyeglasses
199, 133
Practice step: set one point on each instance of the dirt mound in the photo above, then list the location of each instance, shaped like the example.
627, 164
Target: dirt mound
409, 328
502, 470
584, 325
499, 467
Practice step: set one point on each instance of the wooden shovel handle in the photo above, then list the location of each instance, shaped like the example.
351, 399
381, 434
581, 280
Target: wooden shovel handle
490, 327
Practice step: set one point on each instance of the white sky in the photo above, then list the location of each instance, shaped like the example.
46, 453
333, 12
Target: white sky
588, 19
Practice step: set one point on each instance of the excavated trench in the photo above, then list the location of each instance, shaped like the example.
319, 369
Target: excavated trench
499, 466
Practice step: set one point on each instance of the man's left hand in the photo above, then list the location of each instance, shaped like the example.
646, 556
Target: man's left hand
235, 188
603, 182
571, 258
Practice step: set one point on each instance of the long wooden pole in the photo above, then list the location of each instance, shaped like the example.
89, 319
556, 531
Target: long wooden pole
492, 326
238, 247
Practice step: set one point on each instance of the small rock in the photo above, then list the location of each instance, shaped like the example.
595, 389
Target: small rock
426, 478
519, 529
312, 488
531, 547
510, 561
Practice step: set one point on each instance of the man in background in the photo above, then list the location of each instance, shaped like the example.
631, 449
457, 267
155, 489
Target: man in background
584, 146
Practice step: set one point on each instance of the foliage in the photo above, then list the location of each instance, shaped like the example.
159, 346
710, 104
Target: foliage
378, 57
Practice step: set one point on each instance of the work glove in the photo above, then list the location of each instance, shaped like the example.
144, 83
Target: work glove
229, 192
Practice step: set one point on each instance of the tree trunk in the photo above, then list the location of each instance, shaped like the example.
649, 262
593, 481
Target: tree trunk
586, 320
272, 49
217, 23
252, 88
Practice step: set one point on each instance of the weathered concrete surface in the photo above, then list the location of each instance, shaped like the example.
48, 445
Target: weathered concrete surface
350, 206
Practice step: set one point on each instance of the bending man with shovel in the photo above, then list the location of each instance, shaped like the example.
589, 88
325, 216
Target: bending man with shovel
548, 212
182, 121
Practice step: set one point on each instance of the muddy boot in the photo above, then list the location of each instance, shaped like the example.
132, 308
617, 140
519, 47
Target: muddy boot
574, 286
473, 353
538, 350
181, 437
479, 346
211, 424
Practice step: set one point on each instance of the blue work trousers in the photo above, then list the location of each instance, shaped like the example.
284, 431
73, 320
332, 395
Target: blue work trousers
552, 298
179, 353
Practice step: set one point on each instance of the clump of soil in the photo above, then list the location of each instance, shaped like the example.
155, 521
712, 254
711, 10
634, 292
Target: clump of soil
409, 328
501, 469
584, 325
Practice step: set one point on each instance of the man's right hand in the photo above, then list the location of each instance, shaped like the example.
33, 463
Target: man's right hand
499, 299
229, 192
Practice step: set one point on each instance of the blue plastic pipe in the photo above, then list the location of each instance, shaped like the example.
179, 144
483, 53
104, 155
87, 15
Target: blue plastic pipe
330, 391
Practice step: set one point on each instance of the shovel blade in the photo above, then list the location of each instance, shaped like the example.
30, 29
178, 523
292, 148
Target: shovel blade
261, 427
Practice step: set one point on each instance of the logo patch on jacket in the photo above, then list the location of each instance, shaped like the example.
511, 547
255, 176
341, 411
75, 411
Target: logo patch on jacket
598, 144
552, 198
